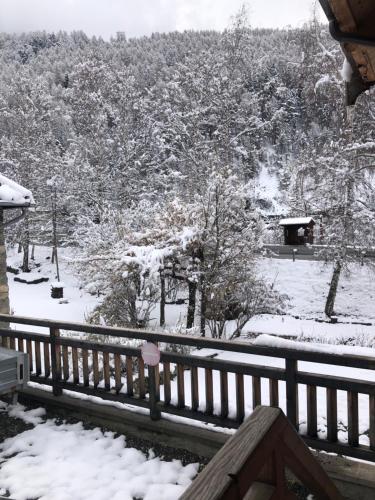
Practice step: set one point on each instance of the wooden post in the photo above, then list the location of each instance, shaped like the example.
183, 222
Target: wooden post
291, 391
154, 409
4, 291
55, 361
153, 390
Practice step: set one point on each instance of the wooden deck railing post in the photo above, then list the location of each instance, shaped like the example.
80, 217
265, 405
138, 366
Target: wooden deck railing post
291, 391
55, 360
154, 409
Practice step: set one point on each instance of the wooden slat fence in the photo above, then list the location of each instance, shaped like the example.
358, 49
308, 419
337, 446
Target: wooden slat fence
115, 371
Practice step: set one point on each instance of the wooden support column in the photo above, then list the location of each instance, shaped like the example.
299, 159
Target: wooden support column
4, 290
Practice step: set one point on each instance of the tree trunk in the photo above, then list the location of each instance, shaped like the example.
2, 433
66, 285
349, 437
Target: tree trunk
162, 299
203, 308
191, 307
26, 251
330, 303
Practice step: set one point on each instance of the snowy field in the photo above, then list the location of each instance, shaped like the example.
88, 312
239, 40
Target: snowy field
304, 283
67, 461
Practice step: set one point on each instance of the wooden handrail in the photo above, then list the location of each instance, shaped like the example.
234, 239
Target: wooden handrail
352, 361
252, 464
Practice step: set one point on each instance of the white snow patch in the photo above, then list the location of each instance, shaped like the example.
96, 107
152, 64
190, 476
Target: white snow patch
272, 341
295, 220
33, 417
346, 71
86, 465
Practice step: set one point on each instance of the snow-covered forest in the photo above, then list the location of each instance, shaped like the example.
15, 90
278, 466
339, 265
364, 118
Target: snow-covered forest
157, 159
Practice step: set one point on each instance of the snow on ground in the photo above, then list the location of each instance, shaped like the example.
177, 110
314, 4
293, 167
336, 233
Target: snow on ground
67, 461
35, 300
306, 282
311, 330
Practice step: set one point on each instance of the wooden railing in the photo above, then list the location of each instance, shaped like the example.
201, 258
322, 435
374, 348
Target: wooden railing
252, 464
185, 384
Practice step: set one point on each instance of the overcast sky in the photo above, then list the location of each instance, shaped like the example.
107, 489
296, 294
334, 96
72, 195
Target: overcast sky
142, 17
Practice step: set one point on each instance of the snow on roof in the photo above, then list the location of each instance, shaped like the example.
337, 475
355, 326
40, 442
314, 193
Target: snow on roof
12, 195
295, 221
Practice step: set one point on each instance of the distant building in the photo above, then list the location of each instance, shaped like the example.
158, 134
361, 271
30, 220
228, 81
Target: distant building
298, 230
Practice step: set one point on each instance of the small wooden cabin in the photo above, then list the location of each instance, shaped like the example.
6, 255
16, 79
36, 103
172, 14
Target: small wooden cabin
298, 230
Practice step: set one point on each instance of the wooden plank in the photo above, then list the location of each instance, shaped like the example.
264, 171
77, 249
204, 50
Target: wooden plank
209, 391
312, 426
372, 422
46, 358
85, 366
107, 380
141, 378
38, 363
65, 357
260, 491
299, 460
157, 382
240, 398
153, 373
167, 383
194, 388
236, 466
339, 383
353, 428
274, 392
75, 365
180, 386
95, 368
360, 452
291, 391
224, 394
332, 415
256, 392
29, 349
129, 375
104, 394
55, 360
20, 344
118, 383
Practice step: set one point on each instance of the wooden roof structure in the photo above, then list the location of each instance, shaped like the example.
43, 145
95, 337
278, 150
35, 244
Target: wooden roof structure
352, 24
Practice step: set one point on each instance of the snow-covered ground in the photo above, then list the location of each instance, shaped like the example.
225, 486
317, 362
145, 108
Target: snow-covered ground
67, 461
305, 283
35, 300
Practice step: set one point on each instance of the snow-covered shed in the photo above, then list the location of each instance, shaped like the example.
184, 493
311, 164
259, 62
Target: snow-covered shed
298, 230
13, 195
